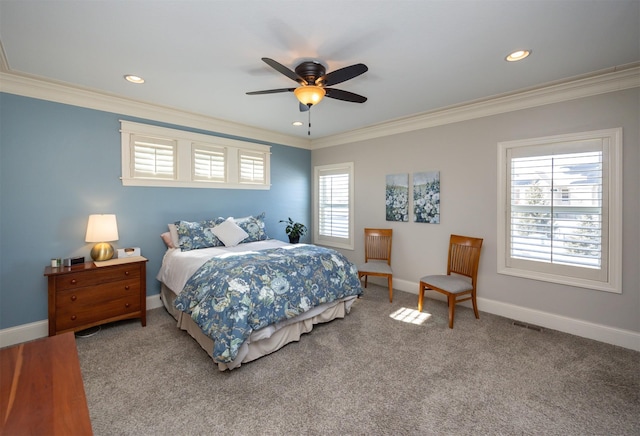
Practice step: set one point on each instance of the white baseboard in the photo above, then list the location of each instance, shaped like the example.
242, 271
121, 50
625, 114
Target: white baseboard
40, 329
610, 335
153, 302
24, 333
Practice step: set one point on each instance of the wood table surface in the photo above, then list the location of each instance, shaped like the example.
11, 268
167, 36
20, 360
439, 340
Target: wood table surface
41, 389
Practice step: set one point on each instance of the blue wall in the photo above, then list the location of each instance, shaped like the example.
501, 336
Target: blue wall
60, 163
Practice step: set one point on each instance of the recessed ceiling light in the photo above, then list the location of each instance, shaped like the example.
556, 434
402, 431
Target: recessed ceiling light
297, 123
517, 55
134, 79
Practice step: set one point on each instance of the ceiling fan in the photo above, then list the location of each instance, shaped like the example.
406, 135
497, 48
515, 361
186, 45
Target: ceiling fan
314, 79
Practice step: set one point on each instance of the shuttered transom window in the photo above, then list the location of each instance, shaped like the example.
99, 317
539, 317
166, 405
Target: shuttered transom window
209, 163
252, 167
334, 205
153, 158
159, 156
560, 211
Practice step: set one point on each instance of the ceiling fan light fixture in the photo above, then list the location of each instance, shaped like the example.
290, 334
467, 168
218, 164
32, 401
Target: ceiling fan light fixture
309, 94
517, 55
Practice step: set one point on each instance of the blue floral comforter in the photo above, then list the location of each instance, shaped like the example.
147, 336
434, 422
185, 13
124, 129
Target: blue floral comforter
229, 297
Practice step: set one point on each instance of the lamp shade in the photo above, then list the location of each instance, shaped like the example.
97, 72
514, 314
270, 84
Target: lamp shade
309, 95
102, 228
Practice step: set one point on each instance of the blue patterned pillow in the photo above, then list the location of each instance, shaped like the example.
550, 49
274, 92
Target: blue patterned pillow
196, 235
254, 226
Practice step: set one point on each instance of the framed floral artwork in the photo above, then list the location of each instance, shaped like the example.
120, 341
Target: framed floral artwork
426, 197
397, 197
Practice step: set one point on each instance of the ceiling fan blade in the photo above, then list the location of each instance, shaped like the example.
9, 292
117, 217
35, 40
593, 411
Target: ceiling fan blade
343, 74
284, 70
303, 107
339, 94
271, 91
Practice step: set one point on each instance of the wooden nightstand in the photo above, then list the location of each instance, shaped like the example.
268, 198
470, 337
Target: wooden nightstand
85, 295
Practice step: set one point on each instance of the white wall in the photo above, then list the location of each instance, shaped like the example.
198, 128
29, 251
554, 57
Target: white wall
465, 153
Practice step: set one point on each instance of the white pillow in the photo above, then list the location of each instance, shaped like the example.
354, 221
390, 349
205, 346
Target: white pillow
175, 239
229, 233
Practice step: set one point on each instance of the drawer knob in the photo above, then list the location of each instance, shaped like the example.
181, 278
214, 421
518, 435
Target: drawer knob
127, 305
74, 281
73, 317
74, 298
126, 273
127, 287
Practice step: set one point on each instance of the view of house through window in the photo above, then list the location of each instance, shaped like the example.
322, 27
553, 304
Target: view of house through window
556, 209
560, 209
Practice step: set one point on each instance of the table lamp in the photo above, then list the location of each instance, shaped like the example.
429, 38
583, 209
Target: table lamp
102, 229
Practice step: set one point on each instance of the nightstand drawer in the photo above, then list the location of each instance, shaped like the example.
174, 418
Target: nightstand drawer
98, 276
76, 307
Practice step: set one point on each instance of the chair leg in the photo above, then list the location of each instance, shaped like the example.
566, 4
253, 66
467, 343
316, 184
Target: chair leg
420, 297
365, 278
451, 301
390, 281
475, 306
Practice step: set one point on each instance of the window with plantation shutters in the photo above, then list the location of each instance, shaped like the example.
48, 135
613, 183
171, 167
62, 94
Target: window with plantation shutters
334, 205
159, 156
252, 167
209, 163
556, 209
560, 211
153, 158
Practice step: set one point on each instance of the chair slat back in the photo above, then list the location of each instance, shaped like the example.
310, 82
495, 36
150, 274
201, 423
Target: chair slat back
464, 256
377, 244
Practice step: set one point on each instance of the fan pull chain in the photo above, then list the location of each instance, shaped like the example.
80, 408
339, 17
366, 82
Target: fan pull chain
309, 131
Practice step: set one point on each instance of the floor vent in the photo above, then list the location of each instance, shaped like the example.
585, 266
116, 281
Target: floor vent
527, 326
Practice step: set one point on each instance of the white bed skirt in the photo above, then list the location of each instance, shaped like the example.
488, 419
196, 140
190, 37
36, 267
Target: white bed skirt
266, 340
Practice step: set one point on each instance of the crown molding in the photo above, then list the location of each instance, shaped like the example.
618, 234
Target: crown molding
27, 86
4, 65
611, 80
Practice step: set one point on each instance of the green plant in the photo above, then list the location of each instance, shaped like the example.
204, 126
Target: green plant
294, 230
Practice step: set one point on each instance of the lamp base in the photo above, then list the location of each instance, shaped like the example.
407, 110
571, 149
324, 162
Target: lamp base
102, 251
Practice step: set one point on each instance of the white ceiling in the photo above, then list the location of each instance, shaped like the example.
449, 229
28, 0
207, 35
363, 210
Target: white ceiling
423, 55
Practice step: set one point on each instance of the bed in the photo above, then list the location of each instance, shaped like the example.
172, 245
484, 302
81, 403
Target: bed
292, 287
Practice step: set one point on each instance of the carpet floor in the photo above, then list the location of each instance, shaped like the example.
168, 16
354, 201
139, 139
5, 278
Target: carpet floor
369, 373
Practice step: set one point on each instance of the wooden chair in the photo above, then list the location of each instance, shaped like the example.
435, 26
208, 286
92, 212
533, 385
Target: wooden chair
377, 256
464, 257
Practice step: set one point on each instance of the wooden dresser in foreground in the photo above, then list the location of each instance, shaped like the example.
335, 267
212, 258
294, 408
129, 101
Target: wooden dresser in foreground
41, 389
86, 295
